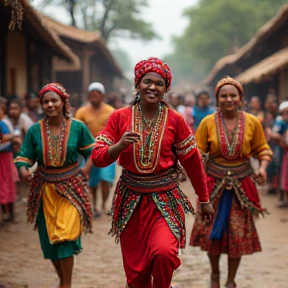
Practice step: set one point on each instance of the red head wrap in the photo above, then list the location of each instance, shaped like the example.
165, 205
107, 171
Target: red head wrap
153, 64
55, 87
229, 81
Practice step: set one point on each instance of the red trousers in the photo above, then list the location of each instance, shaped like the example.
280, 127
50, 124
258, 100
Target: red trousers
149, 248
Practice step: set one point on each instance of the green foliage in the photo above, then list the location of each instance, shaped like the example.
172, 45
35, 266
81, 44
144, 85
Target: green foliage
217, 28
109, 17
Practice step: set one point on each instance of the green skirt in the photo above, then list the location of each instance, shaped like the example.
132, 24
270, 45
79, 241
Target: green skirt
57, 251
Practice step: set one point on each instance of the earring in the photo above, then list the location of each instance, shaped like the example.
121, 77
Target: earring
138, 96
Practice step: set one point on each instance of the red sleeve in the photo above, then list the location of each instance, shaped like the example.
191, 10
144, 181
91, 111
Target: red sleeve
107, 137
189, 157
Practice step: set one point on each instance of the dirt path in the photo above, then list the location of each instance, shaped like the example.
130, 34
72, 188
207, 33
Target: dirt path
100, 263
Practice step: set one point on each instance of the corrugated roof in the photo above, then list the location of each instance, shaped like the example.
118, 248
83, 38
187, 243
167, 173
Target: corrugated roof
265, 31
49, 36
266, 67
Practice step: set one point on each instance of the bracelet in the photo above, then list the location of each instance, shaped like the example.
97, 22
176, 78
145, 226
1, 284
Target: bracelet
204, 203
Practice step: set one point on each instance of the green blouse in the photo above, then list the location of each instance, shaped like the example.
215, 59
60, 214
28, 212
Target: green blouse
35, 148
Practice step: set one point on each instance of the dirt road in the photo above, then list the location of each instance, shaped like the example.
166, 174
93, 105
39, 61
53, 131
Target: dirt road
100, 263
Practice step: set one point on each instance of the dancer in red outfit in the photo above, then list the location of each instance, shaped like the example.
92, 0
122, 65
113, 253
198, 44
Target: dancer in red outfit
148, 209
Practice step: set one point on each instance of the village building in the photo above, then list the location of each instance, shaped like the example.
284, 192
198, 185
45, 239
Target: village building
96, 61
262, 64
26, 54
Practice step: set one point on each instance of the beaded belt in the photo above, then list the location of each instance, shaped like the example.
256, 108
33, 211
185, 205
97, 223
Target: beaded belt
215, 170
229, 174
49, 174
153, 183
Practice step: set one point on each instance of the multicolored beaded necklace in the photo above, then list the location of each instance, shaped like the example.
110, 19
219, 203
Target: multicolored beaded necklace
147, 129
146, 151
230, 150
55, 151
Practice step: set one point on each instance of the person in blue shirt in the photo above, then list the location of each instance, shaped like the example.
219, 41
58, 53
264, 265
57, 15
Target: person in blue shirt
202, 108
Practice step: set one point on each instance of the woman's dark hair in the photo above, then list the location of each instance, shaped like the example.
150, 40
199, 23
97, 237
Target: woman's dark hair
14, 99
66, 106
136, 100
30, 95
202, 92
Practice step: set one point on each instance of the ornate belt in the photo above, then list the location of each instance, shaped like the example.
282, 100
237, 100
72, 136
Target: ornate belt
229, 174
49, 174
153, 183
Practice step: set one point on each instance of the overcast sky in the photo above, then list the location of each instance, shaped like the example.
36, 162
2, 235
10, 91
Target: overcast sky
166, 18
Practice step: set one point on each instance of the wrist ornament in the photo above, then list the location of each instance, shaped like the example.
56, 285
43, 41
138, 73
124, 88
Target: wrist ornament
204, 203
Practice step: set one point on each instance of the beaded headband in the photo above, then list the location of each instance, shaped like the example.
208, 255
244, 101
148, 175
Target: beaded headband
229, 81
55, 87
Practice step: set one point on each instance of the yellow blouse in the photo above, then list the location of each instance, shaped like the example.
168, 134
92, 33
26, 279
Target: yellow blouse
254, 142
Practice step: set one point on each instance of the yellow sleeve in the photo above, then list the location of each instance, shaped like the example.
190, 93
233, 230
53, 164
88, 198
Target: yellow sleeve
259, 147
201, 135
79, 114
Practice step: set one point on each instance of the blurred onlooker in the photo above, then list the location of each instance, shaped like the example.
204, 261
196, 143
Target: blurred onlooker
189, 104
32, 107
95, 115
271, 104
176, 102
279, 132
255, 108
181, 104
115, 100
202, 108
19, 120
244, 105
273, 169
8, 171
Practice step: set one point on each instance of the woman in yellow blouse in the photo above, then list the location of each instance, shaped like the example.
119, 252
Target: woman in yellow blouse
227, 139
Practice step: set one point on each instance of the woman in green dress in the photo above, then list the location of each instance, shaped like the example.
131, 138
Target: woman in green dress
58, 200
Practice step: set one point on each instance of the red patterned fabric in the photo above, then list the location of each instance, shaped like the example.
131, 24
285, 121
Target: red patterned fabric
229, 81
157, 254
242, 238
153, 64
175, 134
55, 87
247, 185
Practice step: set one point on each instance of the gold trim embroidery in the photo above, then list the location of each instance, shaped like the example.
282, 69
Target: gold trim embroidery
105, 138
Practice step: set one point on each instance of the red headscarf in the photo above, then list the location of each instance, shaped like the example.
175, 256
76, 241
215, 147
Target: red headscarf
229, 81
153, 64
55, 87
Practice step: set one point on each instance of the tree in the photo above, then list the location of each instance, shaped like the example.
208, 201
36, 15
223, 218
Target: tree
217, 28
109, 17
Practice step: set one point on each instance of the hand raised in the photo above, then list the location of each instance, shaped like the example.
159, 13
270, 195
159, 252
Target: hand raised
129, 138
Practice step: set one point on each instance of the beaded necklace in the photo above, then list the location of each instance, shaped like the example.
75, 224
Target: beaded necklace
230, 150
147, 150
148, 127
55, 145
234, 133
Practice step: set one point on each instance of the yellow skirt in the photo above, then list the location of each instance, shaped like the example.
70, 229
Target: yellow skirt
62, 218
